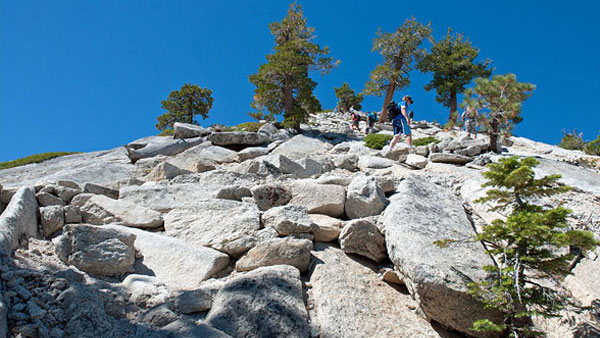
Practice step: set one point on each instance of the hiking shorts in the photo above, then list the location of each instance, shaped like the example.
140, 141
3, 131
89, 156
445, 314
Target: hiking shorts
401, 126
470, 126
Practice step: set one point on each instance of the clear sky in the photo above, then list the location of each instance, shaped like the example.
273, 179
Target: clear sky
89, 75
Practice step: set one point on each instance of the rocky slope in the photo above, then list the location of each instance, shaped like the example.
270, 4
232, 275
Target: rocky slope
267, 234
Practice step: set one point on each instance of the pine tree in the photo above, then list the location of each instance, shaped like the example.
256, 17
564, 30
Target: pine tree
347, 99
184, 104
452, 62
399, 49
283, 85
500, 99
528, 248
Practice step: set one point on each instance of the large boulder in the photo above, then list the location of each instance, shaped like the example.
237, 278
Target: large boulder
449, 158
267, 196
266, 302
52, 219
19, 218
278, 251
244, 138
284, 165
374, 162
326, 199
326, 228
96, 250
174, 262
218, 155
351, 301
364, 198
288, 219
164, 171
93, 188
159, 145
362, 237
103, 210
301, 146
165, 198
225, 225
416, 161
187, 130
419, 214
252, 152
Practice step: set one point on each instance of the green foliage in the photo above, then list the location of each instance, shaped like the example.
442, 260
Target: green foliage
423, 141
347, 99
526, 247
167, 132
498, 101
184, 104
452, 62
248, 126
377, 141
593, 147
572, 141
398, 49
37, 158
283, 86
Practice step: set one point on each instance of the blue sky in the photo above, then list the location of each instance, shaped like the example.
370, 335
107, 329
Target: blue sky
90, 75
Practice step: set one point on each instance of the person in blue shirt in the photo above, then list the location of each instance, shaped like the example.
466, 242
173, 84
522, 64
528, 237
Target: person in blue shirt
401, 122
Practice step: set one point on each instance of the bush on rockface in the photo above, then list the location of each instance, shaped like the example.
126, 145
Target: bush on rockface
377, 141
37, 158
572, 141
593, 147
423, 141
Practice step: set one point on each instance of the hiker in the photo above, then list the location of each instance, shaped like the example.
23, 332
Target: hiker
371, 119
469, 117
401, 122
355, 119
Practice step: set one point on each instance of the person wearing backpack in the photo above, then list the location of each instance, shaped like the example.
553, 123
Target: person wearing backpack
469, 117
401, 121
355, 119
371, 119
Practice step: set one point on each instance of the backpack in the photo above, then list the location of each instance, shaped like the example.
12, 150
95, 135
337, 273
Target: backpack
393, 110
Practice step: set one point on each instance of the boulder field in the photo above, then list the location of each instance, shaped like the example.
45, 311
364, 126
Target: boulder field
274, 233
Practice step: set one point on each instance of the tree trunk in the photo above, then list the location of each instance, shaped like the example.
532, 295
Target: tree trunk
453, 106
391, 89
288, 105
494, 135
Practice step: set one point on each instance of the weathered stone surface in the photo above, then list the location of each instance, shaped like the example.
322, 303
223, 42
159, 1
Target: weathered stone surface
189, 329
398, 153
301, 146
218, 154
225, 225
103, 210
374, 162
364, 198
158, 316
327, 199
347, 161
233, 192
288, 219
266, 302
252, 152
279, 251
187, 130
419, 214
386, 182
160, 145
416, 161
93, 188
449, 158
19, 218
422, 150
191, 301
578, 177
46, 199
81, 199
362, 237
284, 165
7, 194
164, 171
326, 228
351, 301
72, 214
310, 167
174, 262
584, 283
164, 198
238, 138
145, 291
268, 129
267, 196
96, 250
52, 219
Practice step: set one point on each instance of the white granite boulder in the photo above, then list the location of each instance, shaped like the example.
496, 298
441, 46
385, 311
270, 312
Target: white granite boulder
271, 195
288, 219
327, 199
245, 138
278, 251
361, 237
187, 130
301, 146
326, 228
364, 198
19, 218
103, 210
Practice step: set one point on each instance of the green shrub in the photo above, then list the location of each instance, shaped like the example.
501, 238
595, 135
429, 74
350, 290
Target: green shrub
248, 126
572, 141
423, 141
37, 158
593, 147
167, 132
377, 141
